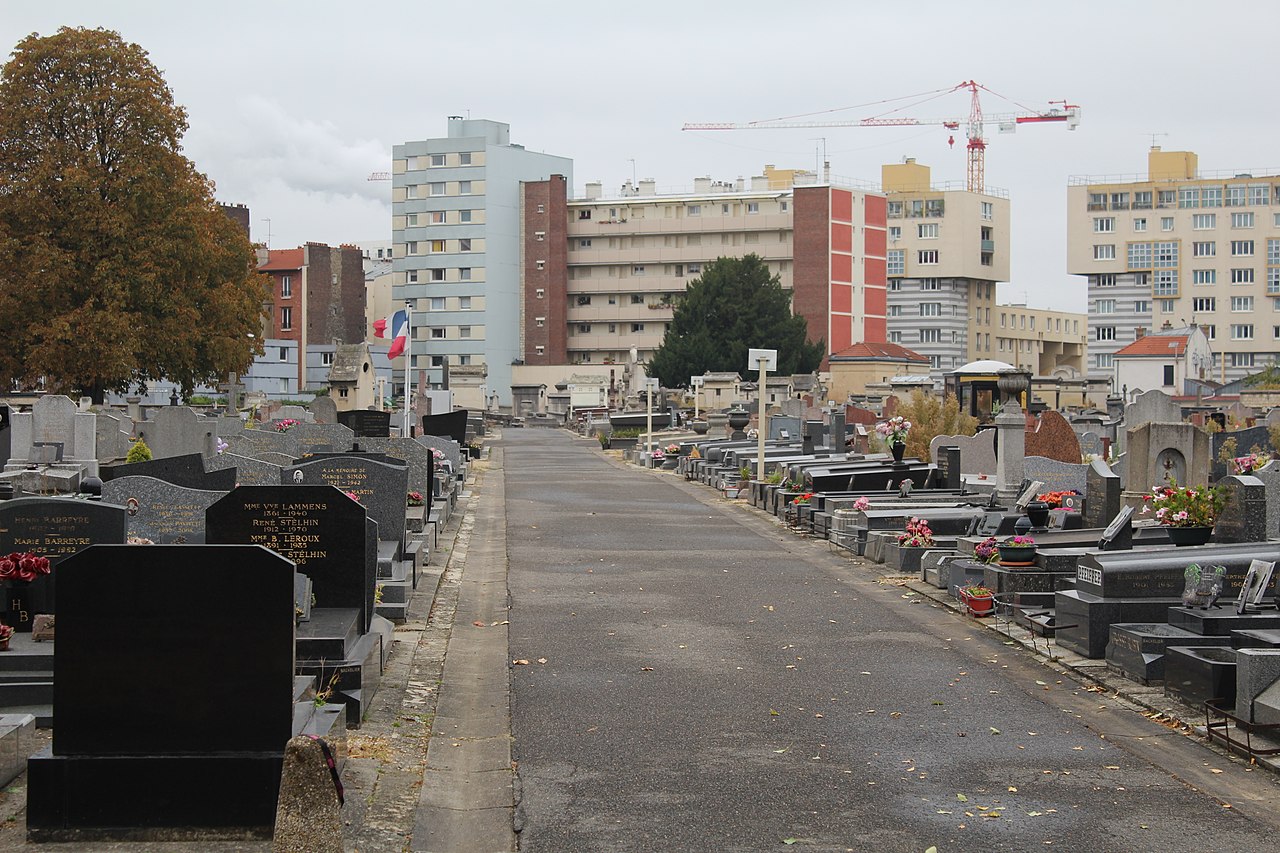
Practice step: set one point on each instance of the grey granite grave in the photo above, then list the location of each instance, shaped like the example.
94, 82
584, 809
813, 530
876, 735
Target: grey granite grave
452, 451
1056, 476
1244, 515
177, 431
324, 410
1151, 407
1246, 440
249, 471
977, 452
1269, 474
161, 511
114, 429
1091, 444
1256, 671
1196, 674
381, 488
1102, 494
1137, 649
415, 456
322, 438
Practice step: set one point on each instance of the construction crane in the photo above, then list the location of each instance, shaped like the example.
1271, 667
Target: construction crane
379, 176
1059, 111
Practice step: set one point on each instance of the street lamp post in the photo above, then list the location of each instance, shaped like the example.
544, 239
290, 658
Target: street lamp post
650, 388
762, 359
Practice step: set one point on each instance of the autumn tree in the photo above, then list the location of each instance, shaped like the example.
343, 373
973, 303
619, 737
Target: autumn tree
932, 416
116, 265
733, 306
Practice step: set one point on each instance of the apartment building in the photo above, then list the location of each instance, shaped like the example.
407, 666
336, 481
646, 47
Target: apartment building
947, 249
1178, 246
602, 273
1047, 343
457, 246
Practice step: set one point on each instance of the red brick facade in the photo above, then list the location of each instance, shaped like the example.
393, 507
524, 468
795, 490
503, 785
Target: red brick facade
545, 266
811, 261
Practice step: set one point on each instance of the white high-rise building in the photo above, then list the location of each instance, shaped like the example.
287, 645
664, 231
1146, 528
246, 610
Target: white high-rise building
455, 204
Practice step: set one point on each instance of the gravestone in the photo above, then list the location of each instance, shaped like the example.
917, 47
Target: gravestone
177, 431
324, 410
246, 470
1102, 494
1269, 474
367, 423
1027, 493
948, 462
320, 529
451, 450
114, 430
380, 488
1056, 476
1161, 453
779, 424
409, 452
142, 749
161, 511
1118, 535
977, 452
294, 413
1151, 407
1053, 438
322, 438
1245, 439
187, 471
454, 425
1011, 433
1244, 515
54, 528
1255, 586
1091, 445
56, 437
268, 439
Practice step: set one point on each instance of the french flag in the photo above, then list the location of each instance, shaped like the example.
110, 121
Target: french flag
395, 327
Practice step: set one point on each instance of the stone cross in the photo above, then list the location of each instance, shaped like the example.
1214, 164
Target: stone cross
233, 386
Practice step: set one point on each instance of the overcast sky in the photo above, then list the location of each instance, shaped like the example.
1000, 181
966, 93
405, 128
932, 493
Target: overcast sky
293, 104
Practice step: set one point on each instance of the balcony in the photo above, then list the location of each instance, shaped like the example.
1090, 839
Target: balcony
988, 245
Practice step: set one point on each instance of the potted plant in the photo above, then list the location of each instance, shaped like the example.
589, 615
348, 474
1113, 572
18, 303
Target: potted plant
862, 504
894, 432
672, 457
6, 634
1188, 513
917, 534
603, 438
978, 599
1017, 550
987, 551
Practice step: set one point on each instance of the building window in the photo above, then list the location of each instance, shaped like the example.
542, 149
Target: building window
930, 309
930, 336
286, 318
1104, 333
1242, 276
436, 303
1241, 331
986, 210
694, 269
1166, 305
412, 277
437, 333
411, 248
1204, 304
1168, 374
1139, 256
695, 210
1211, 197
1166, 223
1140, 224
1204, 221
895, 262
1105, 306
464, 188
584, 243
895, 233
437, 275
895, 337
931, 284
464, 245
326, 358
464, 159
928, 231
1142, 200
1104, 359
895, 310
927, 257
464, 215
1210, 331
464, 303
1189, 197
1104, 280
1104, 224
283, 354
584, 300
542, 265
1206, 249
540, 293
436, 217
895, 285
1140, 306
1104, 252
435, 188
437, 159
753, 207
1241, 304
637, 299
893, 210
1242, 248
1241, 359
464, 273
638, 269
1242, 220
437, 246
637, 327
1204, 277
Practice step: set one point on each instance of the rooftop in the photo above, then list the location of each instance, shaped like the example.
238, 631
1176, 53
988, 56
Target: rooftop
879, 352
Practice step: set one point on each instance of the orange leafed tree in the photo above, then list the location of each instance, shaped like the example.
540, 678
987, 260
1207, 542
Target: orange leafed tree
116, 265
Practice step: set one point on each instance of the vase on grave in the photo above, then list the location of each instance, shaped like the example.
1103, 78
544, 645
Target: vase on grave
1038, 514
1190, 535
699, 427
738, 420
898, 449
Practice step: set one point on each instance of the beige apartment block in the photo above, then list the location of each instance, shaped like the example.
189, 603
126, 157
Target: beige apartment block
633, 255
947, 248
1048, 343
1179, 246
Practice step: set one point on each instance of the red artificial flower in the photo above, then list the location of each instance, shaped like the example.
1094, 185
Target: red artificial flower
8, 569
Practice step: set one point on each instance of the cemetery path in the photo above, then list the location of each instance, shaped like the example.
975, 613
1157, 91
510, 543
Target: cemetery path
701, 679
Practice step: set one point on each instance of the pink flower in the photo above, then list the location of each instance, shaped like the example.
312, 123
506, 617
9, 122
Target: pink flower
1180, 516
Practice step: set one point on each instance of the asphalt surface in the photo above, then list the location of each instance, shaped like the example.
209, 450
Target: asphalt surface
693, 677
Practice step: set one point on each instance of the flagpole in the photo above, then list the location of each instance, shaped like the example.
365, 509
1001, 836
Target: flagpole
408, 369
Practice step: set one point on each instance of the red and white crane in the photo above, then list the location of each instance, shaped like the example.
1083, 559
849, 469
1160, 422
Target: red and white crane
1059, 111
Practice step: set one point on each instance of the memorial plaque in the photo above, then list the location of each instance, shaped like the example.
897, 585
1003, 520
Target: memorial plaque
381, 488
54, 528
1054, 475
367, 423
1255, 585
1119, 533
1030, 489
160, 511
319, 528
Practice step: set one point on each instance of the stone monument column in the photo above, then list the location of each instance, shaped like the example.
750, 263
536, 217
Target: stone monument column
1011, 444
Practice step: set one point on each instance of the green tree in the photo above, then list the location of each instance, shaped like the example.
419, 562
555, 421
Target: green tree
138, 452
733, 306
116, 265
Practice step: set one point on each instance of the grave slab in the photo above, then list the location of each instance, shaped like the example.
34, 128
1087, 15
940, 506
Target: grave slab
1137, 649
1194, 674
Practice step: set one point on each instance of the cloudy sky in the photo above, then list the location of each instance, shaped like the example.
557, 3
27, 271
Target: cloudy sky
293, 104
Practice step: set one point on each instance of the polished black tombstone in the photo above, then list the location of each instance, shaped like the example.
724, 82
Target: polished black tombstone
367, 423
454, 424
152, 741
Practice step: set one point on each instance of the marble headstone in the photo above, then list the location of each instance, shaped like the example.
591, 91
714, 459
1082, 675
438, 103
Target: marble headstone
160, 511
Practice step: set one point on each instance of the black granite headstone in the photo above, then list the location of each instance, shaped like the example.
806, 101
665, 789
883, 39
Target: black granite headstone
318, 527
380, 487
54, 528
367, 423
1244, 514
1102, 494
149, 732
454, 424
186, 471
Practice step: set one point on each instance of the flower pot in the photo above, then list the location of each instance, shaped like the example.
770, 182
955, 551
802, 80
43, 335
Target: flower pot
699, 427
1190, 535
898, 449
1019, 554
978, 605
